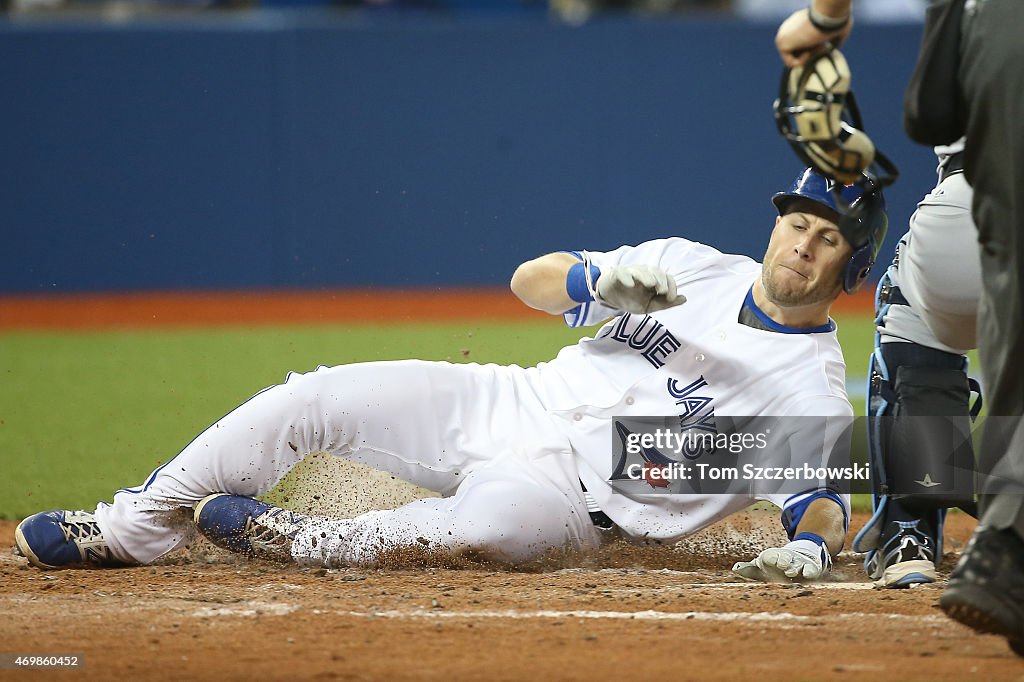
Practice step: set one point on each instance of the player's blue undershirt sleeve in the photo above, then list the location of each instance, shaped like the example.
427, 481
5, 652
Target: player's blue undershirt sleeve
588, 312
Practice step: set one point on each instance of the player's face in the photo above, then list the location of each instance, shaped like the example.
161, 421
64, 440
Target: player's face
805, 259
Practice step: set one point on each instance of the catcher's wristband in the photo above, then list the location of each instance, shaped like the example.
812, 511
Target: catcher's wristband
581, 280
824, 23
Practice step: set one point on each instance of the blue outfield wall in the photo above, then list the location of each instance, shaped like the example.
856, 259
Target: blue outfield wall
297, 150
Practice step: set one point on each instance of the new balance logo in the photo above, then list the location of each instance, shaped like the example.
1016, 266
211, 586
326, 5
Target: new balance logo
98, 554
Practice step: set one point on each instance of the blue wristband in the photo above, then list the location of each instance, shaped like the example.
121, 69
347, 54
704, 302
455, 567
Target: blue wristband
576, 282
813, 537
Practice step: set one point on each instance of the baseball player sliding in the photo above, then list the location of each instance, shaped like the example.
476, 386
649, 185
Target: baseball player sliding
523, 456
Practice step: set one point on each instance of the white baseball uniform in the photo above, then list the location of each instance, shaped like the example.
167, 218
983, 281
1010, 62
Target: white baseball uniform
507, 446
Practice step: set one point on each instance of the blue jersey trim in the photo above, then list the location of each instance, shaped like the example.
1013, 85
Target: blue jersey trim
580, 311
774, 326
577, 311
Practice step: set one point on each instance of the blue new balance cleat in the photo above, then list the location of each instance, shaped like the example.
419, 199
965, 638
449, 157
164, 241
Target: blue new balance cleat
247, 526
63, 539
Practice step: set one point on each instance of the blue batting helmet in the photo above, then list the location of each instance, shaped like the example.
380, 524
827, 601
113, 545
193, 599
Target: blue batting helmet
862, 218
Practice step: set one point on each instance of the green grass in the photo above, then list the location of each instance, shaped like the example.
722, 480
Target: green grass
856, 334
86, 413
82, 414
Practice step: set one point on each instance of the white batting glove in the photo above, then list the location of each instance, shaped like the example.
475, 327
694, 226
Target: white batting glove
799, 561
637, 289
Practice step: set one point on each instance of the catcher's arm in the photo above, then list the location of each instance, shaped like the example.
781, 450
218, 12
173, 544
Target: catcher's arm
806, 31
559, 282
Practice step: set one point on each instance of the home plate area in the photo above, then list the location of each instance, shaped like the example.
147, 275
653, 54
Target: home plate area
623, 612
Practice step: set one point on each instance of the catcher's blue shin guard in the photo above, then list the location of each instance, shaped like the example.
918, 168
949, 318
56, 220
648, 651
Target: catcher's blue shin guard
919, 443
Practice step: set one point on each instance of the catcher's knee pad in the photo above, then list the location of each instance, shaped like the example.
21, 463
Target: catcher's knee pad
919, 437
920, 426
919, 416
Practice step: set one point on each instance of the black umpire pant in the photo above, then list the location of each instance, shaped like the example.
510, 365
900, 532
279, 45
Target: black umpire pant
992, 77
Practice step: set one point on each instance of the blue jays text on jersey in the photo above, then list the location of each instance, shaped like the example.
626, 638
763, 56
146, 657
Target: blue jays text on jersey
645, 335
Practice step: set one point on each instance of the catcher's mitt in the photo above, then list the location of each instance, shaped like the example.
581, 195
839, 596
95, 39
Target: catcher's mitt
817, 114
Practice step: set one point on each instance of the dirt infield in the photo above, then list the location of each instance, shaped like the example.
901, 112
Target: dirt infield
168, 309
623, 613
629, 613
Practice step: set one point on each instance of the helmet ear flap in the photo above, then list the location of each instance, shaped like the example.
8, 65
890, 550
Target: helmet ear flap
863, 224
858, 268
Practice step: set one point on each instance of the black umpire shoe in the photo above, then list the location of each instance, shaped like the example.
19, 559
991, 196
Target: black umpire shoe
986, 589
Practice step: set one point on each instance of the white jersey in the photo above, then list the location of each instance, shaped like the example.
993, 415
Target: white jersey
506, 446
637, 365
